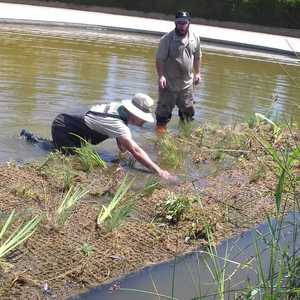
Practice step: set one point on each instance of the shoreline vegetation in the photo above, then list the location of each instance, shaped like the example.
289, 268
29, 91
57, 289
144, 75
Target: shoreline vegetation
95, 222
276, 29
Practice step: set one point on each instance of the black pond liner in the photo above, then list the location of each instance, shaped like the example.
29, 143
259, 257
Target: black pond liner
191, 272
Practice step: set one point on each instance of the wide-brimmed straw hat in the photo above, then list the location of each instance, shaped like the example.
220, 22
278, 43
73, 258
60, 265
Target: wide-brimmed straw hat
140, 106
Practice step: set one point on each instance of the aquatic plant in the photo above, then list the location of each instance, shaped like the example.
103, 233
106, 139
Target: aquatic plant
88, 157
111, 216
118, 216
70, 200
281, 280
68, 179
170, 154
174, 207
86, 249
260, 117
19, 235
151, 184
214, 266
185, 129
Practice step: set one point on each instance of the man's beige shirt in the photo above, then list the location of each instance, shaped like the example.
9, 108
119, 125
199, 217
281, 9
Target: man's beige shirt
178, 59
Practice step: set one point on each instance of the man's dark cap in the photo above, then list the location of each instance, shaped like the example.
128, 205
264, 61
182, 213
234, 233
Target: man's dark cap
183, 15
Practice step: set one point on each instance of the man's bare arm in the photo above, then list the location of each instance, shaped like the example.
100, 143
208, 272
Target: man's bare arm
197, 67
141, 156
160, 72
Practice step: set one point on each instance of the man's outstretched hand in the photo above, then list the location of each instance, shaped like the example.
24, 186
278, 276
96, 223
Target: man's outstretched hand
168, 177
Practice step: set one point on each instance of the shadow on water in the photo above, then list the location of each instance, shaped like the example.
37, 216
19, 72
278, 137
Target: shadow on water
189, 276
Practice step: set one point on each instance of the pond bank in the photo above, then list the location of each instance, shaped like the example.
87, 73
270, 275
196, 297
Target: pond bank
59, 260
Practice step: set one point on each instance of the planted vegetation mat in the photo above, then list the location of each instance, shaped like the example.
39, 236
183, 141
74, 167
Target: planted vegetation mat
82, 240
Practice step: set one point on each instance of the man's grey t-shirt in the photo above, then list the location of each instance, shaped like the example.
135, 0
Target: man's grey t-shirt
178, 59
110, 126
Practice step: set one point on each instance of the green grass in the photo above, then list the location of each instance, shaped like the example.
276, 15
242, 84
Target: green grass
174, 207
185, 129
86, 250
112, 216
68, 204
118, 216
88, 157
17, 237
170, 154
150, 186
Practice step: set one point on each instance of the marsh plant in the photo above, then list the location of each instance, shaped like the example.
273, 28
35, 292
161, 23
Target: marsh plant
68, 204
88, 156
280, 277
169, 153
150, 186
116, 212
17, 237
174, 207
86, 250
68, 179
185, 129
119, 215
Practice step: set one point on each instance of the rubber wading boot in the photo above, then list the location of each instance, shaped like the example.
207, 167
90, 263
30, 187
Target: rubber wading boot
161, 129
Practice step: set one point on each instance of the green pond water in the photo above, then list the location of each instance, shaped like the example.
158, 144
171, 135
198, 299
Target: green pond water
48, 70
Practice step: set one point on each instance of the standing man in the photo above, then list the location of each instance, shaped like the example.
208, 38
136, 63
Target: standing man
178, 61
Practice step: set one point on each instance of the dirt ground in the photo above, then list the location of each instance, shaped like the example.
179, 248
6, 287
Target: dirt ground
53, 263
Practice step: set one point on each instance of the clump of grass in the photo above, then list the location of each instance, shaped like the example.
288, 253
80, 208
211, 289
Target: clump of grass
88, 157
251, 121
86, 250
118, 216
112, 216
70, 200
19, 235
174, 207
199, 134
151, 185
262, 118
68, 179
185, 129
169, 153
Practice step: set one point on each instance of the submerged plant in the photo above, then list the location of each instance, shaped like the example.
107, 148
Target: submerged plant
89, 158
70, 200
19, 235
169, 152
113, 214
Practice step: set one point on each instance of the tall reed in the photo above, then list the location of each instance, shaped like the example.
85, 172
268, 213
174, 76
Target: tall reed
68, 204
112, 215
89, 158
18, 236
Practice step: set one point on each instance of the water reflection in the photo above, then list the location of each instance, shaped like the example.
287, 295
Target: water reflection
44, 71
